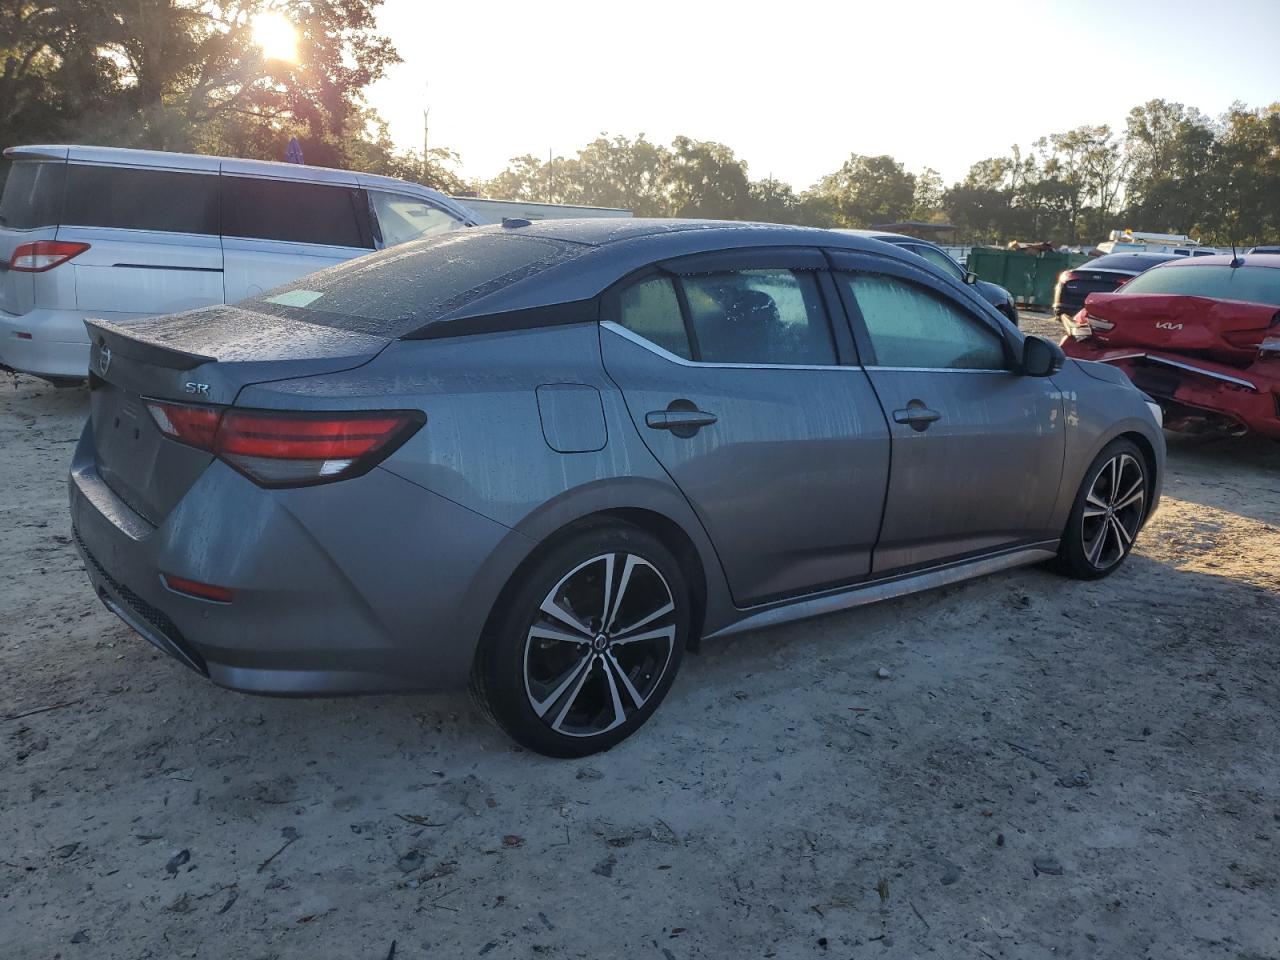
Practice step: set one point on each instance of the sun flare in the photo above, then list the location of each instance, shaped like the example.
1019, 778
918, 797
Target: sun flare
276, 35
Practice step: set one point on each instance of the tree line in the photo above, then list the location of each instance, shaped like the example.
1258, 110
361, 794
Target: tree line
187, 75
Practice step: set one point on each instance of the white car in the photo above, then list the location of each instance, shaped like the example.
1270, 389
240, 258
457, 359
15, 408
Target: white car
121, 234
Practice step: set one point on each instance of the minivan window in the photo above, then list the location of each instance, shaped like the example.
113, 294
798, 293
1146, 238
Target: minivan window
398, 291
402, 218
261, 209
140, 198
32, 195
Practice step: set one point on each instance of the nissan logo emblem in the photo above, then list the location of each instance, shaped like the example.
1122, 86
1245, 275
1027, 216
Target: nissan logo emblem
104, 359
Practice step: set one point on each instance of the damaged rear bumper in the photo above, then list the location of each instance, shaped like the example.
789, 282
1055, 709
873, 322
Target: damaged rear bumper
1194, 390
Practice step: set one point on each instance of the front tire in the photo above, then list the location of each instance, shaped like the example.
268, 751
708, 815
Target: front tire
1107, 514
586, 644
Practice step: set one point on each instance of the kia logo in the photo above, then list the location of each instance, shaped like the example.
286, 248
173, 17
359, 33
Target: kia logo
104, 359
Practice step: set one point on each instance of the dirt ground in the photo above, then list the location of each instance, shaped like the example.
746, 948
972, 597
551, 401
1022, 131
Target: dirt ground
1053, 769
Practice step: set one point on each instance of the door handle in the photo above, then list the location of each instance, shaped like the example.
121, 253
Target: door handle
675, 419
682, 418
917, 415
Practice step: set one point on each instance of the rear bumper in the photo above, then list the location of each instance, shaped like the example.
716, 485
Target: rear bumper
48, 343
366, 585
1189, 386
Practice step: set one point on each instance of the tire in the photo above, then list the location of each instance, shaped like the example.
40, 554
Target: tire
1108, 512
569, 666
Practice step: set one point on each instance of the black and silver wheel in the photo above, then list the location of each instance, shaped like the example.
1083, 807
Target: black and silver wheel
1107, 514
587, 644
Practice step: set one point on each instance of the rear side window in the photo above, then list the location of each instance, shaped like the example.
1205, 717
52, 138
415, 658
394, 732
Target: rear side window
260, 209
651, 309
141, 199
912, 327
399, 291
32, 195
759, 316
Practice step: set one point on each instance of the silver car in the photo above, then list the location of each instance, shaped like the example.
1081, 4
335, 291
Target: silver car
119, 234
547, 459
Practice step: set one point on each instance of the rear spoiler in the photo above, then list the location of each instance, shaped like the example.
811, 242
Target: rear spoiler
37, 153
128, 343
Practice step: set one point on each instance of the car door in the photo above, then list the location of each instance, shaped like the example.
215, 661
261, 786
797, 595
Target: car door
152, 236
741, 389
977, 447
275, 230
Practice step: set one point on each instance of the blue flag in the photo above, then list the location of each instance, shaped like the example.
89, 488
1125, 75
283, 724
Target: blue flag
294, 153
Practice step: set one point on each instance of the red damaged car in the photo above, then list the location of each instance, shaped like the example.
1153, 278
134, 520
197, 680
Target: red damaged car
1201, 336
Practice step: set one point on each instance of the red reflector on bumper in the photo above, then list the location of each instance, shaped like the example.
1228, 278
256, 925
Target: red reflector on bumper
194, 588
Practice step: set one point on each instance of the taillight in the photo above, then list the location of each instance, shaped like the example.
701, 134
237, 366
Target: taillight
44, 255
276, 448
1066, 276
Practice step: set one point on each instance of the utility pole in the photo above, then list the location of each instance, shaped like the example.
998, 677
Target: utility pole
426, 137
426, 144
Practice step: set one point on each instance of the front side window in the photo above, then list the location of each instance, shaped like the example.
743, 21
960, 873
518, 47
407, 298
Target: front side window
940, 260
140, 198
261, 209
402, 218
912, 327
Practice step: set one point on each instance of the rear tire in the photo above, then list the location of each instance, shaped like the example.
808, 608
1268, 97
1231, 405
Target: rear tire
586, 643
1107, 514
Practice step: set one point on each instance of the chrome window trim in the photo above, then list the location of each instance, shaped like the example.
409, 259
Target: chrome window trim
614, 327
871, 366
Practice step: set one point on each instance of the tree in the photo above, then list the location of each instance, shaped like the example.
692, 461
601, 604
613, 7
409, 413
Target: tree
704, 179
867, 190
928, 195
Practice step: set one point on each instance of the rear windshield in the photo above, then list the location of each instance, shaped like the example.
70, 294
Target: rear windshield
1129, 262
400, 290
1217, 281
32, 195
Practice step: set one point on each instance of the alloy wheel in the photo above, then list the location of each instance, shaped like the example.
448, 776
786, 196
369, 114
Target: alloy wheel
1113, 510
599, 645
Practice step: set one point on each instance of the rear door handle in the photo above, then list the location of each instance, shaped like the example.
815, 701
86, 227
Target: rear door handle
917, 415
676, 420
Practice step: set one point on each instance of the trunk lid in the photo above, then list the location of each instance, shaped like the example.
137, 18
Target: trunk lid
204, 356
1228, 330
1084, 282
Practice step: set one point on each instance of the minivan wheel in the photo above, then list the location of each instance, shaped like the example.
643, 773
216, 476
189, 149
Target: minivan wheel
586, 644
1108, 512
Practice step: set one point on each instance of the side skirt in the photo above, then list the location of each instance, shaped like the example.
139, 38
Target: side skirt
888, 588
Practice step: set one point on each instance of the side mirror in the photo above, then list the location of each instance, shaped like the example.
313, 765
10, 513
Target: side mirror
970, 277
1041, 357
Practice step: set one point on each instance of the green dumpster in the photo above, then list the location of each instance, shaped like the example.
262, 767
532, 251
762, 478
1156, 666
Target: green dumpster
1029, 277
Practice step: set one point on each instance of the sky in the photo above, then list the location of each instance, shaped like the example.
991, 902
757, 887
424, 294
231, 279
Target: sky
795, 88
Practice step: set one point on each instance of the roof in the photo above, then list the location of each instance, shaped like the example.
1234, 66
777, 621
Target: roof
596, 231
1224, 260
919, 225
198, 162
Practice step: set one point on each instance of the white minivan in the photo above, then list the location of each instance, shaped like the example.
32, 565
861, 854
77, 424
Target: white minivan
120, 234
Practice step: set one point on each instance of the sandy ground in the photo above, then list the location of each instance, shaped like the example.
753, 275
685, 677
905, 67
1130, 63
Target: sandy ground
1054, 769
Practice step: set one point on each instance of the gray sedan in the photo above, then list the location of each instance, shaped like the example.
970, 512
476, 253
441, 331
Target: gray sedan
547, 459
